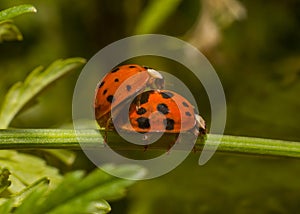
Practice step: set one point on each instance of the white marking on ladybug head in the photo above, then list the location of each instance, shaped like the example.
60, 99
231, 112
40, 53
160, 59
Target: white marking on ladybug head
200, 121
154, 73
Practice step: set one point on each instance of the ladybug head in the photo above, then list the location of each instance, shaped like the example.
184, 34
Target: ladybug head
200, 123
156, 79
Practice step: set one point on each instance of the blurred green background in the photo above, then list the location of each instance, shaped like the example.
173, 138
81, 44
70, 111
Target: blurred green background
255, 48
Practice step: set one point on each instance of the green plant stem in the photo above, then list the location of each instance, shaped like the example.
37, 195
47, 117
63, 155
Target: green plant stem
68, 139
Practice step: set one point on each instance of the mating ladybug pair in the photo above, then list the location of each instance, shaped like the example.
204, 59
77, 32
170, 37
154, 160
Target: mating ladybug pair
155, 110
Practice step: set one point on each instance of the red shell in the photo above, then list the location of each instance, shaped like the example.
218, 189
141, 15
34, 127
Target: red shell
137, 79
161, 111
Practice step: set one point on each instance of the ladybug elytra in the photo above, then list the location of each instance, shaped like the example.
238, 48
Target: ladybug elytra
163, 111
137, 79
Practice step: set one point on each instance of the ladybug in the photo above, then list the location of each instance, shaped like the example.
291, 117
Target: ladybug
118, 85
163, 111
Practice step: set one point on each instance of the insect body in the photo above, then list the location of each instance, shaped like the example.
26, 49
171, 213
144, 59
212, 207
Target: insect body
119, 85
163, 111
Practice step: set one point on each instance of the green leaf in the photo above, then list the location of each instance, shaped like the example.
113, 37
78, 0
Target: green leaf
20, 197
67, 157
30, 201
84, 206
97, 185
7, 206
26, 169
16, 11
79, 194
9, 32
155, 14
23, 92
28, 196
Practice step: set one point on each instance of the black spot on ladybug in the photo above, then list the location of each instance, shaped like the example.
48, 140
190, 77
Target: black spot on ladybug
143, 122
104, 92
169, 124
115, 70
163, 108
116, 80
132, 66
144, 98
110, 98
101, 84
185, 104
128, 87
166, 95
141, 111
188, 114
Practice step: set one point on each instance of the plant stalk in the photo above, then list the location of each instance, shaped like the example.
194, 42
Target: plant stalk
69, 139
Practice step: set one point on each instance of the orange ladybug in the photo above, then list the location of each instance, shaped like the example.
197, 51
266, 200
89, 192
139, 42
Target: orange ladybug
118, 85
163, 111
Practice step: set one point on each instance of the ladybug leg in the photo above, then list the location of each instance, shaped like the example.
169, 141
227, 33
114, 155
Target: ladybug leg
196, 132
194, 149
177, 138
108, 122
169, 148
145, 139
172, 143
